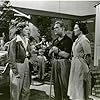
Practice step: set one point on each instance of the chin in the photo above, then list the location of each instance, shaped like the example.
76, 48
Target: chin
76, 34
55, 33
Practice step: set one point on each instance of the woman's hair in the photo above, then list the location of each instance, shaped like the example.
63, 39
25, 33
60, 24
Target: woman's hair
82, 27
20, 26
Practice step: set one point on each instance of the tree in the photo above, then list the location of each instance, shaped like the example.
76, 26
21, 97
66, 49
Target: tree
5, 17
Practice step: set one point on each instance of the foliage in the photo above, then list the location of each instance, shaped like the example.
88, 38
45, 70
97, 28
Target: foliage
44, 25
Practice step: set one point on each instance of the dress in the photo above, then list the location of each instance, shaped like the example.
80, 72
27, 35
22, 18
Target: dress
61, 69
19, 69
79, 83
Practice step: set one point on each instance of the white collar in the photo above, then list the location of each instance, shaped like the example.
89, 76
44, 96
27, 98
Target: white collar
25, 44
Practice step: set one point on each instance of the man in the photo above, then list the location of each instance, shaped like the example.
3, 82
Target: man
61, 52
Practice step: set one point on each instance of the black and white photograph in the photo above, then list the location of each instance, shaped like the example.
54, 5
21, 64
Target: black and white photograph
49, 50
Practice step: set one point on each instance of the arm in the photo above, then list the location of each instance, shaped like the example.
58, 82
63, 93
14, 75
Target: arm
60, 53
88, 59
64, 54
87, 51
12, 56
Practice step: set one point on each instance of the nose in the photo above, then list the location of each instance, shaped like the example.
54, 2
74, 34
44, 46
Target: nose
54, 29
74, 30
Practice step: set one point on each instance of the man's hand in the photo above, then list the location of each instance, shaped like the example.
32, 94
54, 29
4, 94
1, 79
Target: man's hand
54, 49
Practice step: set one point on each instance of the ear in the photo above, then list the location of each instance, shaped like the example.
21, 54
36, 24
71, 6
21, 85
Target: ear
63, 29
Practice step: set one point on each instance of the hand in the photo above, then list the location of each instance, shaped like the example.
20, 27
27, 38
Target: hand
27, 53
14, 70
17, 76
50, 51
55, 49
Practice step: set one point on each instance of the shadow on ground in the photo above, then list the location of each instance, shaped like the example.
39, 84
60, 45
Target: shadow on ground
38, 95
34, 94
4, 93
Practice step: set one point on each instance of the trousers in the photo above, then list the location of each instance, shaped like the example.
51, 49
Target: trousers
61, 71
20, 86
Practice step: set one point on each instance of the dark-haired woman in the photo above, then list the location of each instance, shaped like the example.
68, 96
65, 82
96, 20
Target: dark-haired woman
79, 83
18, 61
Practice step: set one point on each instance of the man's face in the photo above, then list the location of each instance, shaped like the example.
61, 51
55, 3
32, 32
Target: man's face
58, 29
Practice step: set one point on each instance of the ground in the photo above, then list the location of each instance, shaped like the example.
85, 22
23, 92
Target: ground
38, 90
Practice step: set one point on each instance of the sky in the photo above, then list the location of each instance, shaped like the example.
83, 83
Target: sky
72, 7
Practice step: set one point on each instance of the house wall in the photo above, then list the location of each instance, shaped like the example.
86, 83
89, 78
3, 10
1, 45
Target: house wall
97, 38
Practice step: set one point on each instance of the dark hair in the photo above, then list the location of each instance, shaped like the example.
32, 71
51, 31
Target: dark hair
82, 27
31, 38
61, 23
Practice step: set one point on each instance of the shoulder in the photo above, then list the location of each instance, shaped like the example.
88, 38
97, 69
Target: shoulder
68, 39
13, 40
84, 39
85, 42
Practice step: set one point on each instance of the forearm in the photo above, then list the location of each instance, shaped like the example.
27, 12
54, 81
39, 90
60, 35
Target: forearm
88, 58
12, 57
63, 54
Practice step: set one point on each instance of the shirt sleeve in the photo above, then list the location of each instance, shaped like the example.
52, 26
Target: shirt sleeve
86, 46
12, 53
68, 46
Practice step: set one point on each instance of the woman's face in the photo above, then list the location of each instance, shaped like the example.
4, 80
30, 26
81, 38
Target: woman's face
26, 31
77, 30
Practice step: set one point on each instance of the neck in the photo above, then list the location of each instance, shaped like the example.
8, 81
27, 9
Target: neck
62, 35
69, 36
23, 38
80, 35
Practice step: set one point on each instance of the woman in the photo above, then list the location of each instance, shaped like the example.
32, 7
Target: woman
18, 62
79, 83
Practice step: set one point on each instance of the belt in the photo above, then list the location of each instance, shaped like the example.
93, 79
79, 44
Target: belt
61, 58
